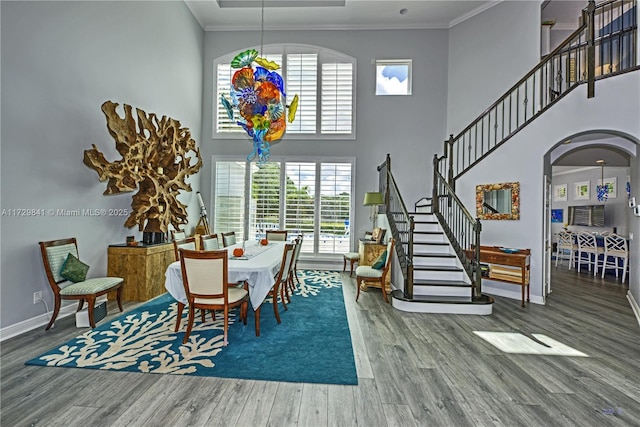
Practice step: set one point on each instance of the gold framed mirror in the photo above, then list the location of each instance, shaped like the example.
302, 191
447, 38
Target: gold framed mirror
498, 201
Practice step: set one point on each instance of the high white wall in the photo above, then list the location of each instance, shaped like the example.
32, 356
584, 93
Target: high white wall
488, 54
410, 128
60, 62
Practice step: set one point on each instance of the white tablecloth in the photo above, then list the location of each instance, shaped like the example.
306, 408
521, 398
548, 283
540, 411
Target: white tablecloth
258, 270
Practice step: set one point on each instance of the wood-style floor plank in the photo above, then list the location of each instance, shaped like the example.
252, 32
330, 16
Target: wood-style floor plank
413, 369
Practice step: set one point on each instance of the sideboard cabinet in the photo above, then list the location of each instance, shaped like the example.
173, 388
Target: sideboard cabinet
142, 268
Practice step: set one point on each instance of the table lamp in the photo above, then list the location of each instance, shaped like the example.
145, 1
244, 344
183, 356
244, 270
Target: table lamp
373, 199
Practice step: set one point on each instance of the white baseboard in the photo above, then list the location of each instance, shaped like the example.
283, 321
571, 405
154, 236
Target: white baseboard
634, 306
35, 322
516, 295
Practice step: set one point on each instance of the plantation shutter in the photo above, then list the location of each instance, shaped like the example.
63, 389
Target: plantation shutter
265, 199
335, 207
229, 198
337, 98
302, 79
300, 201
223, 122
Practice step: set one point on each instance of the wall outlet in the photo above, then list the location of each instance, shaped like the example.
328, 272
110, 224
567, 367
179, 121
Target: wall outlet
37, 297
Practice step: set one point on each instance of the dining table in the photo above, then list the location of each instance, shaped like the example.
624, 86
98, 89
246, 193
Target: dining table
257, 267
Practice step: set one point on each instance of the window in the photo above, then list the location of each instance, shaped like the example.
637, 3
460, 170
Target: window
323, 79
312, 198
393, 77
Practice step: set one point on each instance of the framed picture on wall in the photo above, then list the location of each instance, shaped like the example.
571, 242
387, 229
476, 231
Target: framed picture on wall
611, 184
581, 190
560, 193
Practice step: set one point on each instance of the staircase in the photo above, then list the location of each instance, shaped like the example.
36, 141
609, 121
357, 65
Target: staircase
440, 283
438, 243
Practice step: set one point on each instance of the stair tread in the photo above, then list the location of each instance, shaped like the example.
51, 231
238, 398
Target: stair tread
442, 299
436, 268
433, 255
435, 299
427, 282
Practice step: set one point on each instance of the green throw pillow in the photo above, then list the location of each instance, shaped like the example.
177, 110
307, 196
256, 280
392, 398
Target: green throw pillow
73, 269
378, 264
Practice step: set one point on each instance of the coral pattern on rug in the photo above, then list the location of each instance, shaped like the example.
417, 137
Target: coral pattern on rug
144, 339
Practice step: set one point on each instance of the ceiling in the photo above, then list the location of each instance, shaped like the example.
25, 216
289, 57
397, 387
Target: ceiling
227, 15
314, 15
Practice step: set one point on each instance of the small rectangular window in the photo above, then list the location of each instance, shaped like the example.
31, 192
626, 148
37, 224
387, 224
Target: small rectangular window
393, 77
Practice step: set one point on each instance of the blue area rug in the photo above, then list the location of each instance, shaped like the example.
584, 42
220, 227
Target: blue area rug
311, 345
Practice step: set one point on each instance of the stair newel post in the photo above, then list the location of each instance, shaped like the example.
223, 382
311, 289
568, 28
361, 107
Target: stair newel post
408, 289
386, 188
435, 205
591, 49
477, 228
450, 172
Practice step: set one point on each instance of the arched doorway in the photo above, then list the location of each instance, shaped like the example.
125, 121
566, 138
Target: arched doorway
573, 168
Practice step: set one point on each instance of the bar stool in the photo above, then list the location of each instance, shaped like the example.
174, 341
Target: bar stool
352, 257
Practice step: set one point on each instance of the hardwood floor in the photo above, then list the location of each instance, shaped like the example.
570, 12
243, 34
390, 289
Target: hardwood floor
414, 370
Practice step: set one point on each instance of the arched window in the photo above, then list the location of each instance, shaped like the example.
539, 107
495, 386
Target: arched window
323, 79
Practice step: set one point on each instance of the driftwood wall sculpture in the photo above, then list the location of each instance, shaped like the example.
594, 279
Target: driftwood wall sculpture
154, 160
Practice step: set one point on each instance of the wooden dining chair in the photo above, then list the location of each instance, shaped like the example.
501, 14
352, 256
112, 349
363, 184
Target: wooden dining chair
228, 238
274, 292
209, 242
374, 274
178, 235
288, 286
587, 245
616, 251
67, 278
205, 274
276, 235
296, 256
186, 243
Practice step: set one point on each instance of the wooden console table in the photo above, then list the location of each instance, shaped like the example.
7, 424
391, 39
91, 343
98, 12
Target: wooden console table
369, 252
508, 267
142, 268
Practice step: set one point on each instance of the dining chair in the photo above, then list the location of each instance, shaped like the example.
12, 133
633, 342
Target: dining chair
566, 242
209, 242
228, 238
289, 285
178, 235
204, 274
67, 278
371, 274
186, 243
587, 245
284, 274
615, 247
296, 256
274, 292
276, 235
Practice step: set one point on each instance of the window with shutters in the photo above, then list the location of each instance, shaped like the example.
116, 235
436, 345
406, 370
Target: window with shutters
324, 81
311, 197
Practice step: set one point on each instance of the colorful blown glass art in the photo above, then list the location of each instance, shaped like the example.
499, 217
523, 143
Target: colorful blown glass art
257, 94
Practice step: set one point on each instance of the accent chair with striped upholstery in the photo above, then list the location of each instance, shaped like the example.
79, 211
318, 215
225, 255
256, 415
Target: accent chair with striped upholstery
54, 254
